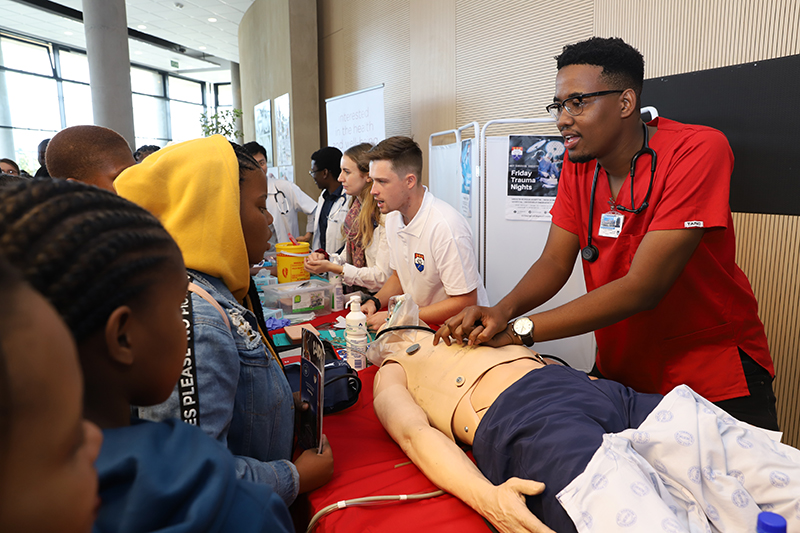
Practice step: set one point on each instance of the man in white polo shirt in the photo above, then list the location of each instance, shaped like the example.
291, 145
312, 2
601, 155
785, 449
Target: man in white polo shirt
430, 243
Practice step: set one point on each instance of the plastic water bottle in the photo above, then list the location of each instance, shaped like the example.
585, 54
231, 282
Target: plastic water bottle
355, 334
770, 523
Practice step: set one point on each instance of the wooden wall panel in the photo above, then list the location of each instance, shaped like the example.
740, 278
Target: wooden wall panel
377, 49
504, 56
433, 70
686, 35
768, 251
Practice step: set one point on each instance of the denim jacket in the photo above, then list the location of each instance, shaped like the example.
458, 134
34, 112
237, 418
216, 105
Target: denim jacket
244, 399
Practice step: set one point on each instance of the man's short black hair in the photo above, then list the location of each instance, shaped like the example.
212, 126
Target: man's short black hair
144, 151
623, 65
253, 148
329, 158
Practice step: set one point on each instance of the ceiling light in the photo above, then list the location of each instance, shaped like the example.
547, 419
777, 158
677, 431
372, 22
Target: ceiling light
212, 19
142, 27
178, 5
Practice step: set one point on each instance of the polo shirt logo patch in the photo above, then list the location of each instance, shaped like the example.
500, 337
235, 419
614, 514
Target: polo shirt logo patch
693, 224
419, 261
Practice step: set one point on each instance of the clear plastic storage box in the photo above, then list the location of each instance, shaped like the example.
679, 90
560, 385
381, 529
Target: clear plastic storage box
300, 297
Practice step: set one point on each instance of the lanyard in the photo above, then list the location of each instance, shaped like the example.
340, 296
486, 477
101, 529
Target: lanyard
590, 253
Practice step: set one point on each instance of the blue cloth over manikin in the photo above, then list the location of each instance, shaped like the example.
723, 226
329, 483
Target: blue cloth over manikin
171, 477
547, 426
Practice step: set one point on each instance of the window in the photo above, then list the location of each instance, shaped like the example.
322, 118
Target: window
19, 55
224, 95
77, 103
146, 82
185, 90
150, 117
44, 88
74, 66
32, 102
185, 120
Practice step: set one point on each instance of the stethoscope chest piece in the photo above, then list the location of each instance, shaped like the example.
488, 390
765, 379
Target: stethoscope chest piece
590, 253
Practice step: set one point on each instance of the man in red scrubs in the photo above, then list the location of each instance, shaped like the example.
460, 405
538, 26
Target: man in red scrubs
666, 300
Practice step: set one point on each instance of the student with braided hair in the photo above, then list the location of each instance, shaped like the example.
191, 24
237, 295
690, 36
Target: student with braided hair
117, 279
211, 196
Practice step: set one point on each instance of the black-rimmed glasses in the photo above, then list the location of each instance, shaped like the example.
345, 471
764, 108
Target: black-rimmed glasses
574, 105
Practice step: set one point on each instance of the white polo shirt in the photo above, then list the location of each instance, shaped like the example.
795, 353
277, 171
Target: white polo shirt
433, 255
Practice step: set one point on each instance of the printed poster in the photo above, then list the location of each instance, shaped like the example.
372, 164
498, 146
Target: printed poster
263, 113
286, 173
534, 167
467, 169
283, 137
309, 434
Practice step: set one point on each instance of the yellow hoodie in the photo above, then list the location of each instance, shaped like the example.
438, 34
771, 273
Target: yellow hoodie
193, 189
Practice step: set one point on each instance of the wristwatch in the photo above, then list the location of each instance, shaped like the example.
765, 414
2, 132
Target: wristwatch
523, 328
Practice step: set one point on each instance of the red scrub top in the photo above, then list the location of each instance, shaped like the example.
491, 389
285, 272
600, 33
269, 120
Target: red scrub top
693, 334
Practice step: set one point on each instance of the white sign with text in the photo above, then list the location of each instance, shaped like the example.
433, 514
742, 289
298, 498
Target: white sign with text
356, 118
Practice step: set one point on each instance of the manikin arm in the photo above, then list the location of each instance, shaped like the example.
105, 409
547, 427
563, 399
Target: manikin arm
445, 464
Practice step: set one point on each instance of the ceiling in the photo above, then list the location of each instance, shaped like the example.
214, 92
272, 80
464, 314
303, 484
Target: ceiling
206, 29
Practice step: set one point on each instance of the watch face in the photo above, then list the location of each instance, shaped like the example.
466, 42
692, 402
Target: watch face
523, 326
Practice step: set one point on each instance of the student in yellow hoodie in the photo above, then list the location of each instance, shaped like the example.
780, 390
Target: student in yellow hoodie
211, 196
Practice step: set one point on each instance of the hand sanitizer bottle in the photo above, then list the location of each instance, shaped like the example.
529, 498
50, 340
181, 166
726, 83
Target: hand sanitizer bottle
356, 334
338, 292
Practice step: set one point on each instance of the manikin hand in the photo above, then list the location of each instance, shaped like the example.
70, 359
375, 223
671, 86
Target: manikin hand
504, 506
479, 325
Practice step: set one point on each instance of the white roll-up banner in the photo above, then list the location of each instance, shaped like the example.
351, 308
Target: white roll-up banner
355, 118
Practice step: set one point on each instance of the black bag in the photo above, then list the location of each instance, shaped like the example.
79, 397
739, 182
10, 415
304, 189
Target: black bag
342, 384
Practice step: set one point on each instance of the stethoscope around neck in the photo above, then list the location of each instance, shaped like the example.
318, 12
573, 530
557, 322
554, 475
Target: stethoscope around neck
590, 253
283, 205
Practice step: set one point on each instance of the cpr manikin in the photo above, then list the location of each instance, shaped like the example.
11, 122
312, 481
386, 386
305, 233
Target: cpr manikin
537, 431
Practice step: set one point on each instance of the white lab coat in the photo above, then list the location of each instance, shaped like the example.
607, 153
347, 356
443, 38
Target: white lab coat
284, 199
334, 239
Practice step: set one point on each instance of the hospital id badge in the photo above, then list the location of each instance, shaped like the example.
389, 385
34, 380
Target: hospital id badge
611, 224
